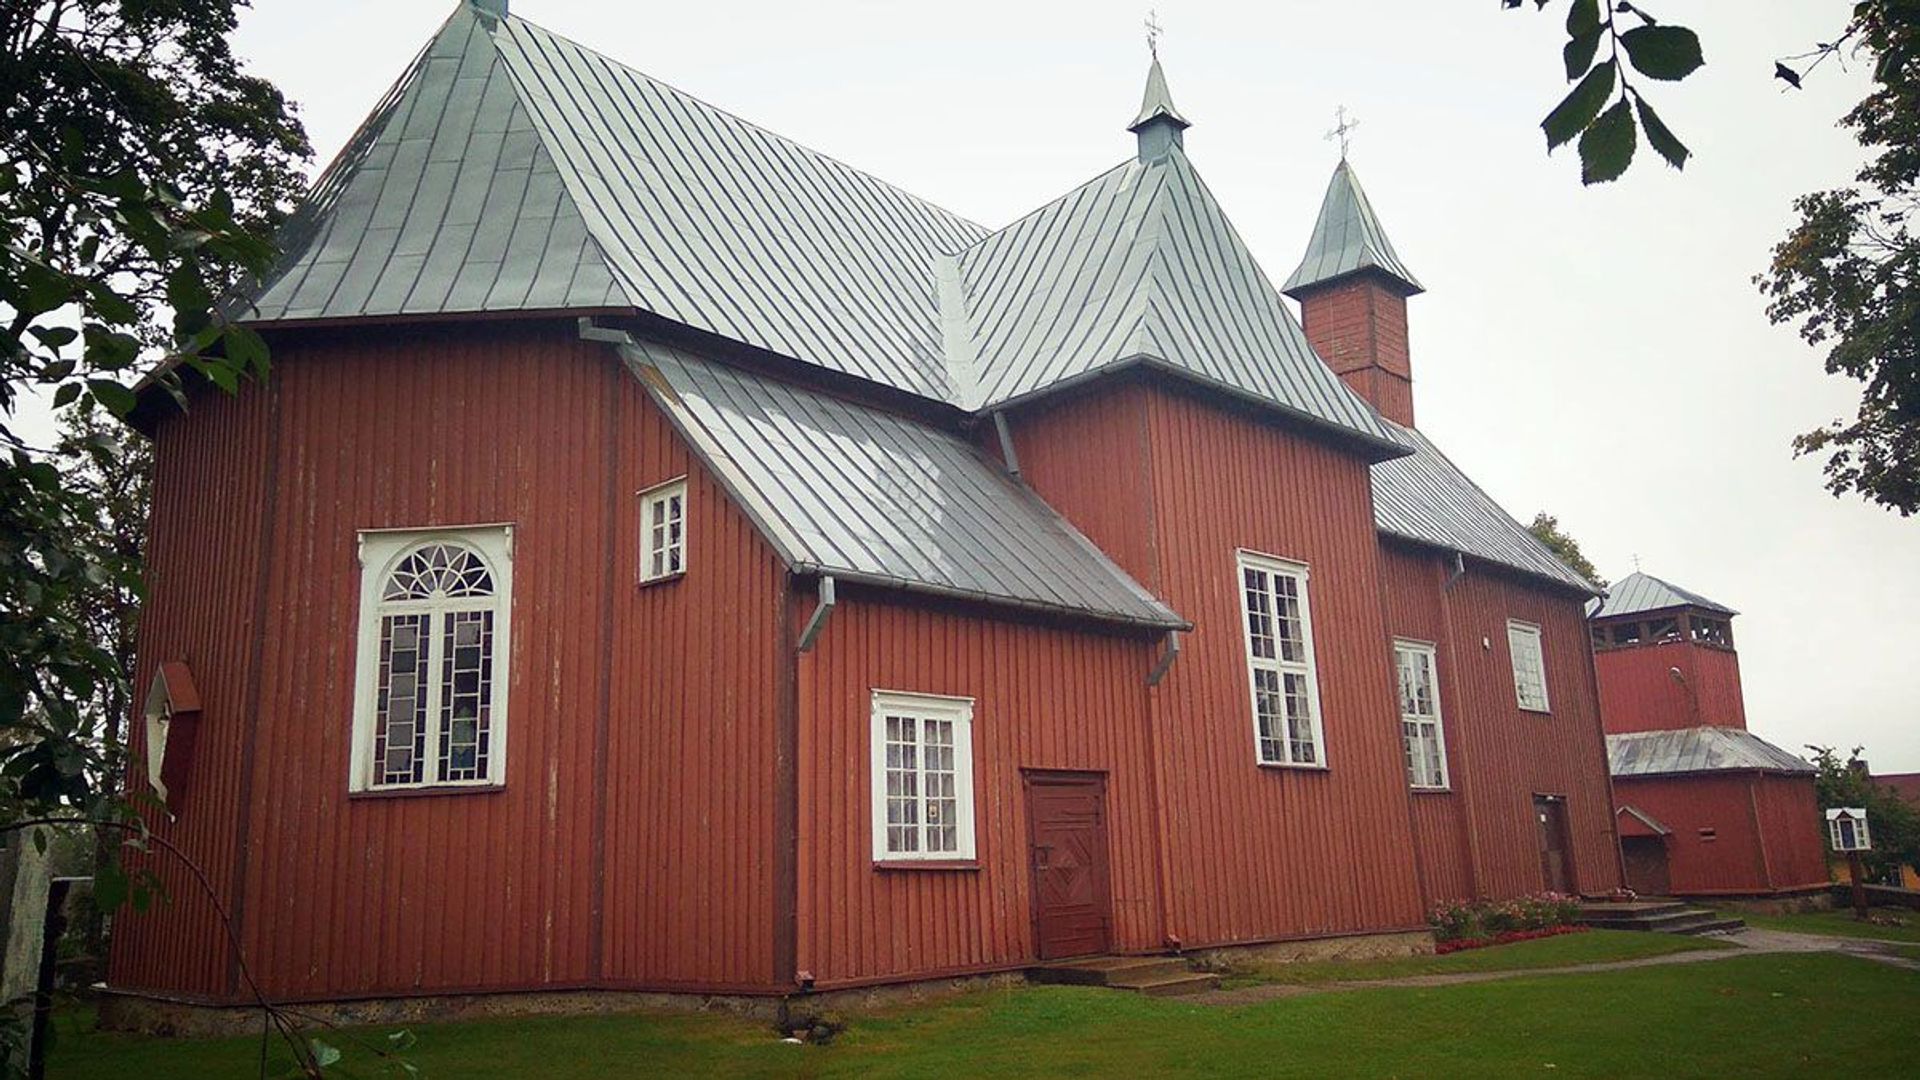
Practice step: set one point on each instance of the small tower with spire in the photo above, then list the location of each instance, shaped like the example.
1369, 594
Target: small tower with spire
1159, 125
1353, 291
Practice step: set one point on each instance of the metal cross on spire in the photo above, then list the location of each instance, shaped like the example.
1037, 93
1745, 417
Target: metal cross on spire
1342, 130
1153, 33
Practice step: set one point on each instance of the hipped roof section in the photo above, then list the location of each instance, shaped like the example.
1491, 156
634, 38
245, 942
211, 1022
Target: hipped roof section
1698, 750
864, 495
1638, 593
1347, 239
512, 170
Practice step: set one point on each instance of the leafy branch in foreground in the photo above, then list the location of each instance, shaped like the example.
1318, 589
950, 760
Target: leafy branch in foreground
1609, 134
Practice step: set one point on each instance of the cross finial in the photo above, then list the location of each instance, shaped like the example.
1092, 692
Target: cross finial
1153, 33
1342, 130
1636, 562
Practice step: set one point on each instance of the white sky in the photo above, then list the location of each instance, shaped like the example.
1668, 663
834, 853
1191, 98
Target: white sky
1598, 353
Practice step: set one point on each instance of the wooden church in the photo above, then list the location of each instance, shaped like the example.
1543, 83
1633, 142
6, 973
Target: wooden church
666, 558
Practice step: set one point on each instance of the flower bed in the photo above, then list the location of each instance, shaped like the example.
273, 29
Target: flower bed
1505, 937
1486, 921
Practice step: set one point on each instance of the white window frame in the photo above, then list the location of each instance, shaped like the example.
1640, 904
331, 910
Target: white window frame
659, 494
1428, 657
380, 552
922, 707
1274, 565
1531, 630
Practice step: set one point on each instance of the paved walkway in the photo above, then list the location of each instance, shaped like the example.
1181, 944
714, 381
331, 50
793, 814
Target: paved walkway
1750, 941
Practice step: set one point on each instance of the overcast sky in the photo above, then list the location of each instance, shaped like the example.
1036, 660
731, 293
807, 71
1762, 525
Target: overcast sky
1598, 353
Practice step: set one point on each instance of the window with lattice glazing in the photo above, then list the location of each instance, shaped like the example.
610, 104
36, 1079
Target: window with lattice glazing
1529, 665
663, 531
1425, 743
922, 774
1279, 638
431, 678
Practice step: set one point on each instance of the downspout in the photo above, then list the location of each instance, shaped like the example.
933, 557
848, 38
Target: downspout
1753, 814
1606, 763
1168, 654
1453, 659
1007, 453
821, 612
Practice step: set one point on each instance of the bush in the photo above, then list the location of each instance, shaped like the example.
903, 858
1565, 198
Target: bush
1469, 920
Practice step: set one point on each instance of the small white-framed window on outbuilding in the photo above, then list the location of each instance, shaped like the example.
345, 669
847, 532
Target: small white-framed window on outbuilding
1529, 665
1285, 689
1420, 727
663, 531
430, 681
1847, 829
922, 775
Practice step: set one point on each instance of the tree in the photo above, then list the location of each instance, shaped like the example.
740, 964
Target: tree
1892, 822
141, 174
1546, 529
1849, 274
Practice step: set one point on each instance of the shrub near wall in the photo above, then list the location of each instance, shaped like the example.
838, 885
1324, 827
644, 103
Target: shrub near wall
1470, 924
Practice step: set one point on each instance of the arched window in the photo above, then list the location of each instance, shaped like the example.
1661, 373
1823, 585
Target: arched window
431, 697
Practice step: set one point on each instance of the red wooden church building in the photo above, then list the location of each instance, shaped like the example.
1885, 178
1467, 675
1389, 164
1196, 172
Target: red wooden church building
1705, 806
667, 558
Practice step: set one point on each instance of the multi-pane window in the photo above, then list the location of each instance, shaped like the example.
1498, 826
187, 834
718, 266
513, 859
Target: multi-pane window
1279, 637
430, 702
1529, 665
1426, 746
922, 762
663, 531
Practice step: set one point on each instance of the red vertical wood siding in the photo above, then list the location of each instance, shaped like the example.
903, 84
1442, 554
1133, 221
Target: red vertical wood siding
1793, 829
594, 862
1639, 693
1044, 698
1766, 830
206, 543
1498, 755
1257, 852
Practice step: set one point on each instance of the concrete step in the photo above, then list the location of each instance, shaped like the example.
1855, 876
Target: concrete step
1187, 982
1718, 925
1663, 919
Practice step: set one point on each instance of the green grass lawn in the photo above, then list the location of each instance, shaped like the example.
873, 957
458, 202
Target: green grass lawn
1590, 947
1749, 1016
1841, 924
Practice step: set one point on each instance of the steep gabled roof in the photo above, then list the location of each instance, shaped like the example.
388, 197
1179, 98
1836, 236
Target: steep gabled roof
1139, 265
1348, 238
1426, 498
1638, 592
1157, 101
1697, 749
865, 495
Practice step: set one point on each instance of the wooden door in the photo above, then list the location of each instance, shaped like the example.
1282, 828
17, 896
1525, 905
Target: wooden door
1067, 848
1646, 864
1556, 847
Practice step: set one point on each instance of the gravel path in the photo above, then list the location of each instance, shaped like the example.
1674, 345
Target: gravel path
1750, 941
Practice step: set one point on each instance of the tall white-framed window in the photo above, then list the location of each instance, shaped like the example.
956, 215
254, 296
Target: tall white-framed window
1529, 665
663, 531
1420, 727
922, 774
1278, 631
430, 693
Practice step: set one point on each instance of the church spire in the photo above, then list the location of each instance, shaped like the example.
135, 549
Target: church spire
1159, 124
1347, 238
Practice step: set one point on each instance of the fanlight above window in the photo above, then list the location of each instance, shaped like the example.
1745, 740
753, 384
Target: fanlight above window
439, 570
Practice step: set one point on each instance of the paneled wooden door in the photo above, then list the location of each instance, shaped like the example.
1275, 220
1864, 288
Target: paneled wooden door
1067, 849
1556, 844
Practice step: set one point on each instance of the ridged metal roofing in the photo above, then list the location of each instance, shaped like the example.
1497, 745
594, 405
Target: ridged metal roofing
1139, 265
1426, 498
1638, 592
1348, 238
513, 170
866, 495
1697, 749
1157, 101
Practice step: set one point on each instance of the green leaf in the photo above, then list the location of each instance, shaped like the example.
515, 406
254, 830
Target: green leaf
1661, 137
324, 1054
54, 337
1606, 149
1579, 53
40, 840
1583, 17
65, 395
219, 371
118, 399
246, 349
1572, 115
109, 886
1663, 52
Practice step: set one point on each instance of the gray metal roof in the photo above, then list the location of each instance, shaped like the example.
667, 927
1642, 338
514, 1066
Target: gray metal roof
866, 495
1697, 749
1157, 101
1638, 592
1138, 265
513, 170
1426, 498
1348, 238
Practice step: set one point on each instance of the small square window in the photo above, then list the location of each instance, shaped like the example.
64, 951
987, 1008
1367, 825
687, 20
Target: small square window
663, 531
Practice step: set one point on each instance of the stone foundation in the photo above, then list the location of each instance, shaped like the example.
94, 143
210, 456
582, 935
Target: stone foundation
1820, 900
1350, 947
